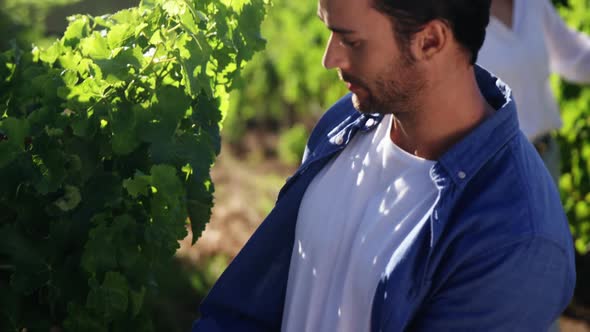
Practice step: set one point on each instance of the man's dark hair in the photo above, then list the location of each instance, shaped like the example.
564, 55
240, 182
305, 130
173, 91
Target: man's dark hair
468, 19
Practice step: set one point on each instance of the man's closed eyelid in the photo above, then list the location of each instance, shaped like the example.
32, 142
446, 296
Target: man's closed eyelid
350, 43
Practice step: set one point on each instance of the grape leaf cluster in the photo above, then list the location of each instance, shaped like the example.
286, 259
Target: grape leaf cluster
107, 138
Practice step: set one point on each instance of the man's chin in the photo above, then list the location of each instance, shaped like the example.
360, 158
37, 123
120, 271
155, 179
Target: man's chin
360, 105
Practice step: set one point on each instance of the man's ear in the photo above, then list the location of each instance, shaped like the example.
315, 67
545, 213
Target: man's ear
431, 40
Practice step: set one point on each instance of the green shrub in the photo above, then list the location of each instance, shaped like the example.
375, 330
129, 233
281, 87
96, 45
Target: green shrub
574, 139
106, 142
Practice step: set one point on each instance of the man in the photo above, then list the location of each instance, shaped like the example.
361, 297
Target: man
419, 205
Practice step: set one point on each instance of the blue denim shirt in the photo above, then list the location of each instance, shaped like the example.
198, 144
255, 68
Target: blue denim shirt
495, 255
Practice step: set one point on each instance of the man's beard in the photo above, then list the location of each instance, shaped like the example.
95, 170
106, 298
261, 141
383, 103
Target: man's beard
395, 91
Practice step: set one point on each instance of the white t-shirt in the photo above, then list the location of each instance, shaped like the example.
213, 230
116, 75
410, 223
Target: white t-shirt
538, 43
352, 217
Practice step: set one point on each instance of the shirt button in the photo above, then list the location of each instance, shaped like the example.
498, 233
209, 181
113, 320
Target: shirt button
339, 140
370, 123
462, 175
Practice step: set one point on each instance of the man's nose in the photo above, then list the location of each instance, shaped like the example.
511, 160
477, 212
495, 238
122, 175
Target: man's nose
334, 55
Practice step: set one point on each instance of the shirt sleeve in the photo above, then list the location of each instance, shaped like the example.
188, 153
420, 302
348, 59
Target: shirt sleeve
569, 50
522, 287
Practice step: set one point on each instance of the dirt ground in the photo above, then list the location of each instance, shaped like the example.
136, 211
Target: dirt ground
245, 193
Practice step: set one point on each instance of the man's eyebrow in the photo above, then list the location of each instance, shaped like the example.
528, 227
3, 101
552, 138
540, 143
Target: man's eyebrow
337, 29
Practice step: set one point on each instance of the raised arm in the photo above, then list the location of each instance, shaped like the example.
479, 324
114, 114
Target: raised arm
569, 50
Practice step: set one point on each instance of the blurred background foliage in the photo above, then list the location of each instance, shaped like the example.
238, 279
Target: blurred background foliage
574, 140
285, 90
24, 20
42, 21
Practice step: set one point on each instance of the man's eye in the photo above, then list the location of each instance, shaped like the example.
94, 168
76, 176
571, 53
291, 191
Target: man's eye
350, 43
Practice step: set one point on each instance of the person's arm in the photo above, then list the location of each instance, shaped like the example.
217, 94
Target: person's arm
521, 287
569, 50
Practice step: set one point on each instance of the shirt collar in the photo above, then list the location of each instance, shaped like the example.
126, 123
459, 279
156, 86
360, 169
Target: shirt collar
467, 156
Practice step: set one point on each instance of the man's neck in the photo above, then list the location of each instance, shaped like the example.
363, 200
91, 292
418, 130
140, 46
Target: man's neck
449, 110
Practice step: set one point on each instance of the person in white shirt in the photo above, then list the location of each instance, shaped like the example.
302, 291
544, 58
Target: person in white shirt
526, 41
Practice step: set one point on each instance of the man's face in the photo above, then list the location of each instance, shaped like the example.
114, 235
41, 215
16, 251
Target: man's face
378, 71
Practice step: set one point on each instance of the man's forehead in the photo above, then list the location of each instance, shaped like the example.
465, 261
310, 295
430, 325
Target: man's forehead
342, 8
352, 17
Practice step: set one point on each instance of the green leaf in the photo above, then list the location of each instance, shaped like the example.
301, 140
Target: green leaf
194, 63
76, 30
189, 22
84, 126
199, 203
138, 185
95, 46
168, 210
70, 199
111, 298
51, 54
119, 34
166, 182
14, 132
174, 7
122, 66
99, 253
172, 103
137, 299
159, 125
126, 16
89, 69
69, 77
123, 124
198, 150
140, 28
80, 319
51, 166
207, 114
89, 89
